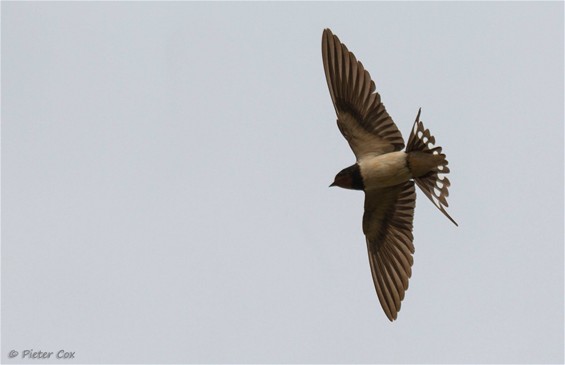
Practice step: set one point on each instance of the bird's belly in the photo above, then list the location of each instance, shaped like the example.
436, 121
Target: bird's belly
384, 170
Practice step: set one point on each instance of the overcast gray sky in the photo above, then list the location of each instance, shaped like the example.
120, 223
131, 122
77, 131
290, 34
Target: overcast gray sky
165, 172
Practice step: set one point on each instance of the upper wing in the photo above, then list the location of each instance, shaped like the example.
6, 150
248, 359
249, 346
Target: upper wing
387, 224
362, 118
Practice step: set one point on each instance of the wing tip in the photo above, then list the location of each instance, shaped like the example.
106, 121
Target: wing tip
327, 34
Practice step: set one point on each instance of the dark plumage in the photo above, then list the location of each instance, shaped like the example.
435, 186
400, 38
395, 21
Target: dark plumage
383, 171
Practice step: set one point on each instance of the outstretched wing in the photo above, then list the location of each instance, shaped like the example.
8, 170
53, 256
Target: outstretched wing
387, 224
361, 116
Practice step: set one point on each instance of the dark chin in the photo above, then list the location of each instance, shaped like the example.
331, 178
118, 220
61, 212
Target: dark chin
343, 182
350, 178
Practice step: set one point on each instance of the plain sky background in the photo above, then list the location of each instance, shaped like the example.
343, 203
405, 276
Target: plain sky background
165, 172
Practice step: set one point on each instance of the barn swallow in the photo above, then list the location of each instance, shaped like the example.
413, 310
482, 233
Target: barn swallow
383, 170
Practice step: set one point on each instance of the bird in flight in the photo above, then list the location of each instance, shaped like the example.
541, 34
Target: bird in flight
383, 170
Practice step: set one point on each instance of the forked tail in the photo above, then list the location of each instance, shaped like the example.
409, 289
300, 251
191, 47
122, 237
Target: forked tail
434, 183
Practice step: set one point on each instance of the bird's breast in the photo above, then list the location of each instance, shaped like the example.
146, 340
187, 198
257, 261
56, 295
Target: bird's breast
384, 170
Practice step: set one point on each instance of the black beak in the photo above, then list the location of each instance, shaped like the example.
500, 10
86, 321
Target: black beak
333, 184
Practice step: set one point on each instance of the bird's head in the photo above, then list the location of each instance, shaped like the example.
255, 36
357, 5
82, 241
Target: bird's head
349, 178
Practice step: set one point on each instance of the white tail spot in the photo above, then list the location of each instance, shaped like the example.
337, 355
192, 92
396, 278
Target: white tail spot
439, 184
440, 167
436, 201
441, 177
420, 134
430, 145
437, 192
